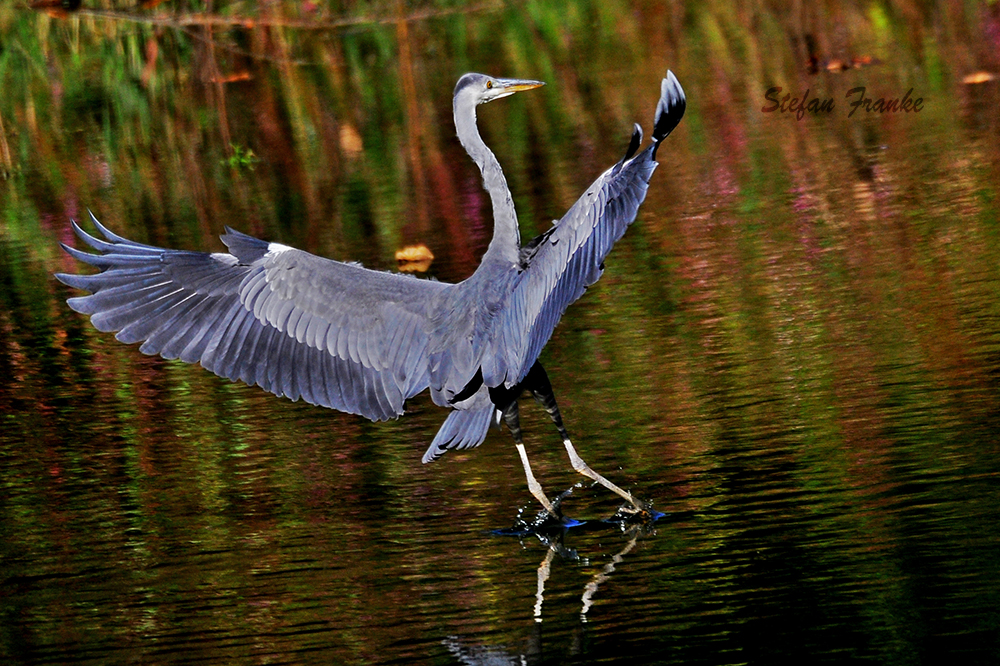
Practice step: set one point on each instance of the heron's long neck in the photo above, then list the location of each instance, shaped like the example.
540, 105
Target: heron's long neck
506, 241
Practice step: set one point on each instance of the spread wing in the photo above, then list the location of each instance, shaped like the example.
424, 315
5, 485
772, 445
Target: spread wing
560, 264
297, 325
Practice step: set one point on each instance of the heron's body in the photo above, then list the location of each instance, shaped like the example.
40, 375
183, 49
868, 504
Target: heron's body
362, 341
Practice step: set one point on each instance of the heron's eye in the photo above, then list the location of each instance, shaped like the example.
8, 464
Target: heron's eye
489, 84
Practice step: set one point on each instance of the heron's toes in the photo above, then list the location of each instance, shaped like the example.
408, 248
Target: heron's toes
546, 520
556, 516
635, 512
542, 523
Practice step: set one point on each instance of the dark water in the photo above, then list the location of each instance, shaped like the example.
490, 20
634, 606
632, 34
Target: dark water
794, 353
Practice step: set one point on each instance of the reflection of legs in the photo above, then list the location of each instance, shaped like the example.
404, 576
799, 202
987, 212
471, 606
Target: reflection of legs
510, 417
591, 588
538, 382
544, 569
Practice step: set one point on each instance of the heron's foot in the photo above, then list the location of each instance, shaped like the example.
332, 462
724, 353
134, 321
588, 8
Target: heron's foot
543, 525
555, 517
635, 512
544, 521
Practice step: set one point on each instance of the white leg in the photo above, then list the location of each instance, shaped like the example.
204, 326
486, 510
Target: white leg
583, 468
533, 485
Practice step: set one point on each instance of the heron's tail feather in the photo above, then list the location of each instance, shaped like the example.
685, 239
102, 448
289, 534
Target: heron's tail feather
669, 110
463, 429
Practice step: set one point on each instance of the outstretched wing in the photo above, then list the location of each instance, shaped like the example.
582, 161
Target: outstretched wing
561, 263
295, 324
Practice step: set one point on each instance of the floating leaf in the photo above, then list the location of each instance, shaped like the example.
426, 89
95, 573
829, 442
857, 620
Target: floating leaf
350, 140
978, 77
414, 258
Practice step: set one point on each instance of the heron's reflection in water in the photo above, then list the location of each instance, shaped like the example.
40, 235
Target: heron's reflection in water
556, 546
553, 537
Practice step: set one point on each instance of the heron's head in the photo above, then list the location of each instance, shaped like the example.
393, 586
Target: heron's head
479, 88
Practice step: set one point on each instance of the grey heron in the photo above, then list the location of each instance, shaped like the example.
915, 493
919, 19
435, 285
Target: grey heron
363, 341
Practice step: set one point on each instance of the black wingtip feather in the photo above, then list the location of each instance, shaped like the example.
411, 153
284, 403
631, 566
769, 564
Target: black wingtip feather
669, 110
633, 146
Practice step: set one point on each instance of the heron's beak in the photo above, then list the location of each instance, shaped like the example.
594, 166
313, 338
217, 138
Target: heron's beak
505, 87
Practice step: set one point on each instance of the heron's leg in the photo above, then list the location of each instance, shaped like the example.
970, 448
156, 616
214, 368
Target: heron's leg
537, 380
513, 421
